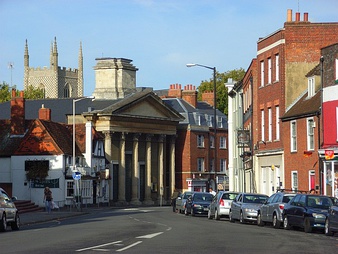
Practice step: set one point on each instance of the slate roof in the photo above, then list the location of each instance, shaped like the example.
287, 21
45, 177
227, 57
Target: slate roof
304, 107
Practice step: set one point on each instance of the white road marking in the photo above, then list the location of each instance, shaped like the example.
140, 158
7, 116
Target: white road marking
98, 246
150, 235
129, 246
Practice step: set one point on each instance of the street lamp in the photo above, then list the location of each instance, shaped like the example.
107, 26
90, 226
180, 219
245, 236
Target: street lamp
215, 121
74, 155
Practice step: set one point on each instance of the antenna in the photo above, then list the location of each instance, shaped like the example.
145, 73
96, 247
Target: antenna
11, 66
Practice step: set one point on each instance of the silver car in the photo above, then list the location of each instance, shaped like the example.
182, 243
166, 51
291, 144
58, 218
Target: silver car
272, 210
244, 207
8, 213
181, 201
220, 205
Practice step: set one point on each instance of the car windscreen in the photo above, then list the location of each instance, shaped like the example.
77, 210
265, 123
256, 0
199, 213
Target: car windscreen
229, 196
203, 197
319, 202
254, 199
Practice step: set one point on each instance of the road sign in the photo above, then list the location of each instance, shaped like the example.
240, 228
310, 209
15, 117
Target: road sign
76, 175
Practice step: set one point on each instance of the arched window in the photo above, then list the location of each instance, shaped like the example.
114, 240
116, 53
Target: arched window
42, 87
66, 91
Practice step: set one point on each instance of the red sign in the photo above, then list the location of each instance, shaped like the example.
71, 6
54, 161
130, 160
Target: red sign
329, 154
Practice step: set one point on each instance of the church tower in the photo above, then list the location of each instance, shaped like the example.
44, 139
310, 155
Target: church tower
56, 82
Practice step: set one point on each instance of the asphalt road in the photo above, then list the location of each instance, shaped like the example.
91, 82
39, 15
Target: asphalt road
158, 230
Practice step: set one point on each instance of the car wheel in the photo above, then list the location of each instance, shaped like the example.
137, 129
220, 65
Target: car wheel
241, 218
327, 229
3, 225
230, 217
275, 222
209, 215
307, 226
15, 225
286, 223
192, 212
217, 217
259, 220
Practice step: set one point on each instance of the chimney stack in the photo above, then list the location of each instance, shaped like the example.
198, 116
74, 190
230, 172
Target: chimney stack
45, 113
289, 16
17, 114
175, 91
189, 94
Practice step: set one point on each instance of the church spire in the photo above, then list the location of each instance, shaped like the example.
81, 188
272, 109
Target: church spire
26, 56
80, 73
55, 55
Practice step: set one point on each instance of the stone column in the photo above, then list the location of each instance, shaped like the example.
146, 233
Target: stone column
108, 154
136, 173
148, 170
160, 169
172, 164
122, 168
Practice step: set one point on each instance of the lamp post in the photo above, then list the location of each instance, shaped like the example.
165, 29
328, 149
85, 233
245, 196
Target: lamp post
74, 155
215, 121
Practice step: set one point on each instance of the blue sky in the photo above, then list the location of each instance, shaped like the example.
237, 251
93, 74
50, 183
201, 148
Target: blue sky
160, 36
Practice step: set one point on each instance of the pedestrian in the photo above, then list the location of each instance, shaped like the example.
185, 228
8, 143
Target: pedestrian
48, 198
212, 191
312, 191
174, 196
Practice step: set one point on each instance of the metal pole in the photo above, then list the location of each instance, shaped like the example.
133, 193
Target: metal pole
215, 128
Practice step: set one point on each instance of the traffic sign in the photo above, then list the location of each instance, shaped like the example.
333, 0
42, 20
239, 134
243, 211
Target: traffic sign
76, 175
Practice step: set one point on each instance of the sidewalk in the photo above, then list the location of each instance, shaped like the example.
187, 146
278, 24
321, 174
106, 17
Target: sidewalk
42, 216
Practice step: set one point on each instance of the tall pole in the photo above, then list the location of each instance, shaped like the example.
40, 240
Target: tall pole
215, 120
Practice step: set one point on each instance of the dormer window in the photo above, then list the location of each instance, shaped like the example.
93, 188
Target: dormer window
311, 86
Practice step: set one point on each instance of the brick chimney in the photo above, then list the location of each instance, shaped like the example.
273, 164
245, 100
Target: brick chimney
17, 113
189, 94
45, 113
175, 91
208, 97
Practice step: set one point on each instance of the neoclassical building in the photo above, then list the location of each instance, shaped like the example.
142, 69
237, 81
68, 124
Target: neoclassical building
140, 134
56, 81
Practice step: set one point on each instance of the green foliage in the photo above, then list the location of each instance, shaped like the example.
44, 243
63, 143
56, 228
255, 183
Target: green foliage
34, 93
221, 90
5, 95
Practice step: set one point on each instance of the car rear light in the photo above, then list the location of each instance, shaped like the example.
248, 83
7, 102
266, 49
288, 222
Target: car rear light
281, 206
221, 202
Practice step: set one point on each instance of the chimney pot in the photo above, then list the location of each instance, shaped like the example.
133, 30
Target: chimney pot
306, 16
289, 15
297, 16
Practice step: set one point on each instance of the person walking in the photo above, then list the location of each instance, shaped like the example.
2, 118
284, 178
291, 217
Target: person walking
48, 199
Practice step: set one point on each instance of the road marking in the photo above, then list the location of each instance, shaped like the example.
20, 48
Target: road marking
129, 246
98, 246
150, 235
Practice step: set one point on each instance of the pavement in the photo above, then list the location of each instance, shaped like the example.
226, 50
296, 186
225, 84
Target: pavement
65, 212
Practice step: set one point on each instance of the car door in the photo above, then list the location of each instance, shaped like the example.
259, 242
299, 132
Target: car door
8, 205
236, 206
300, 211
291, 210
265, 208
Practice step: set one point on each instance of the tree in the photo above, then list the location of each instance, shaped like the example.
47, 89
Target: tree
34, 93
221, 90
5, 94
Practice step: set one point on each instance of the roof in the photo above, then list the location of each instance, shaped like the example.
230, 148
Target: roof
304, 107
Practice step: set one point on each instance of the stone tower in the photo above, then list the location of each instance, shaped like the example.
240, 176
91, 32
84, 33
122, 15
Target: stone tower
56, 82
114, 78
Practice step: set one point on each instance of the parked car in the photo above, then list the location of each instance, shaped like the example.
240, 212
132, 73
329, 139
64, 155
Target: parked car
244, 207
220, 205
198, 203
272, 210
8, 212
181, 201
331, 222
306, 211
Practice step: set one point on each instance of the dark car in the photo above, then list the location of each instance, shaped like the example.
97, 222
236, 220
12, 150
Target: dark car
272, 210
331, 222
306, 211
198, 203
8, 213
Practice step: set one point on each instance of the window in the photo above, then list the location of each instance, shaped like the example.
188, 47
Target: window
310, 134
66, 91
212, 168
223, 164
219, 122
294, 180
70, 188
222, 143
270, 123
277, 67
310, 87
269, 71
293, 132
209, 120
200, 164
277, 123
262, 125
200, 141
198, 119
262, 73
212, 142
86, 188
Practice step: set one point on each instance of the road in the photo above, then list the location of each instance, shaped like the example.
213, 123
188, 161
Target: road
158, 230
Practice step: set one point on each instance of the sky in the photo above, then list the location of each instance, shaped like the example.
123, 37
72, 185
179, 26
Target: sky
159, 36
